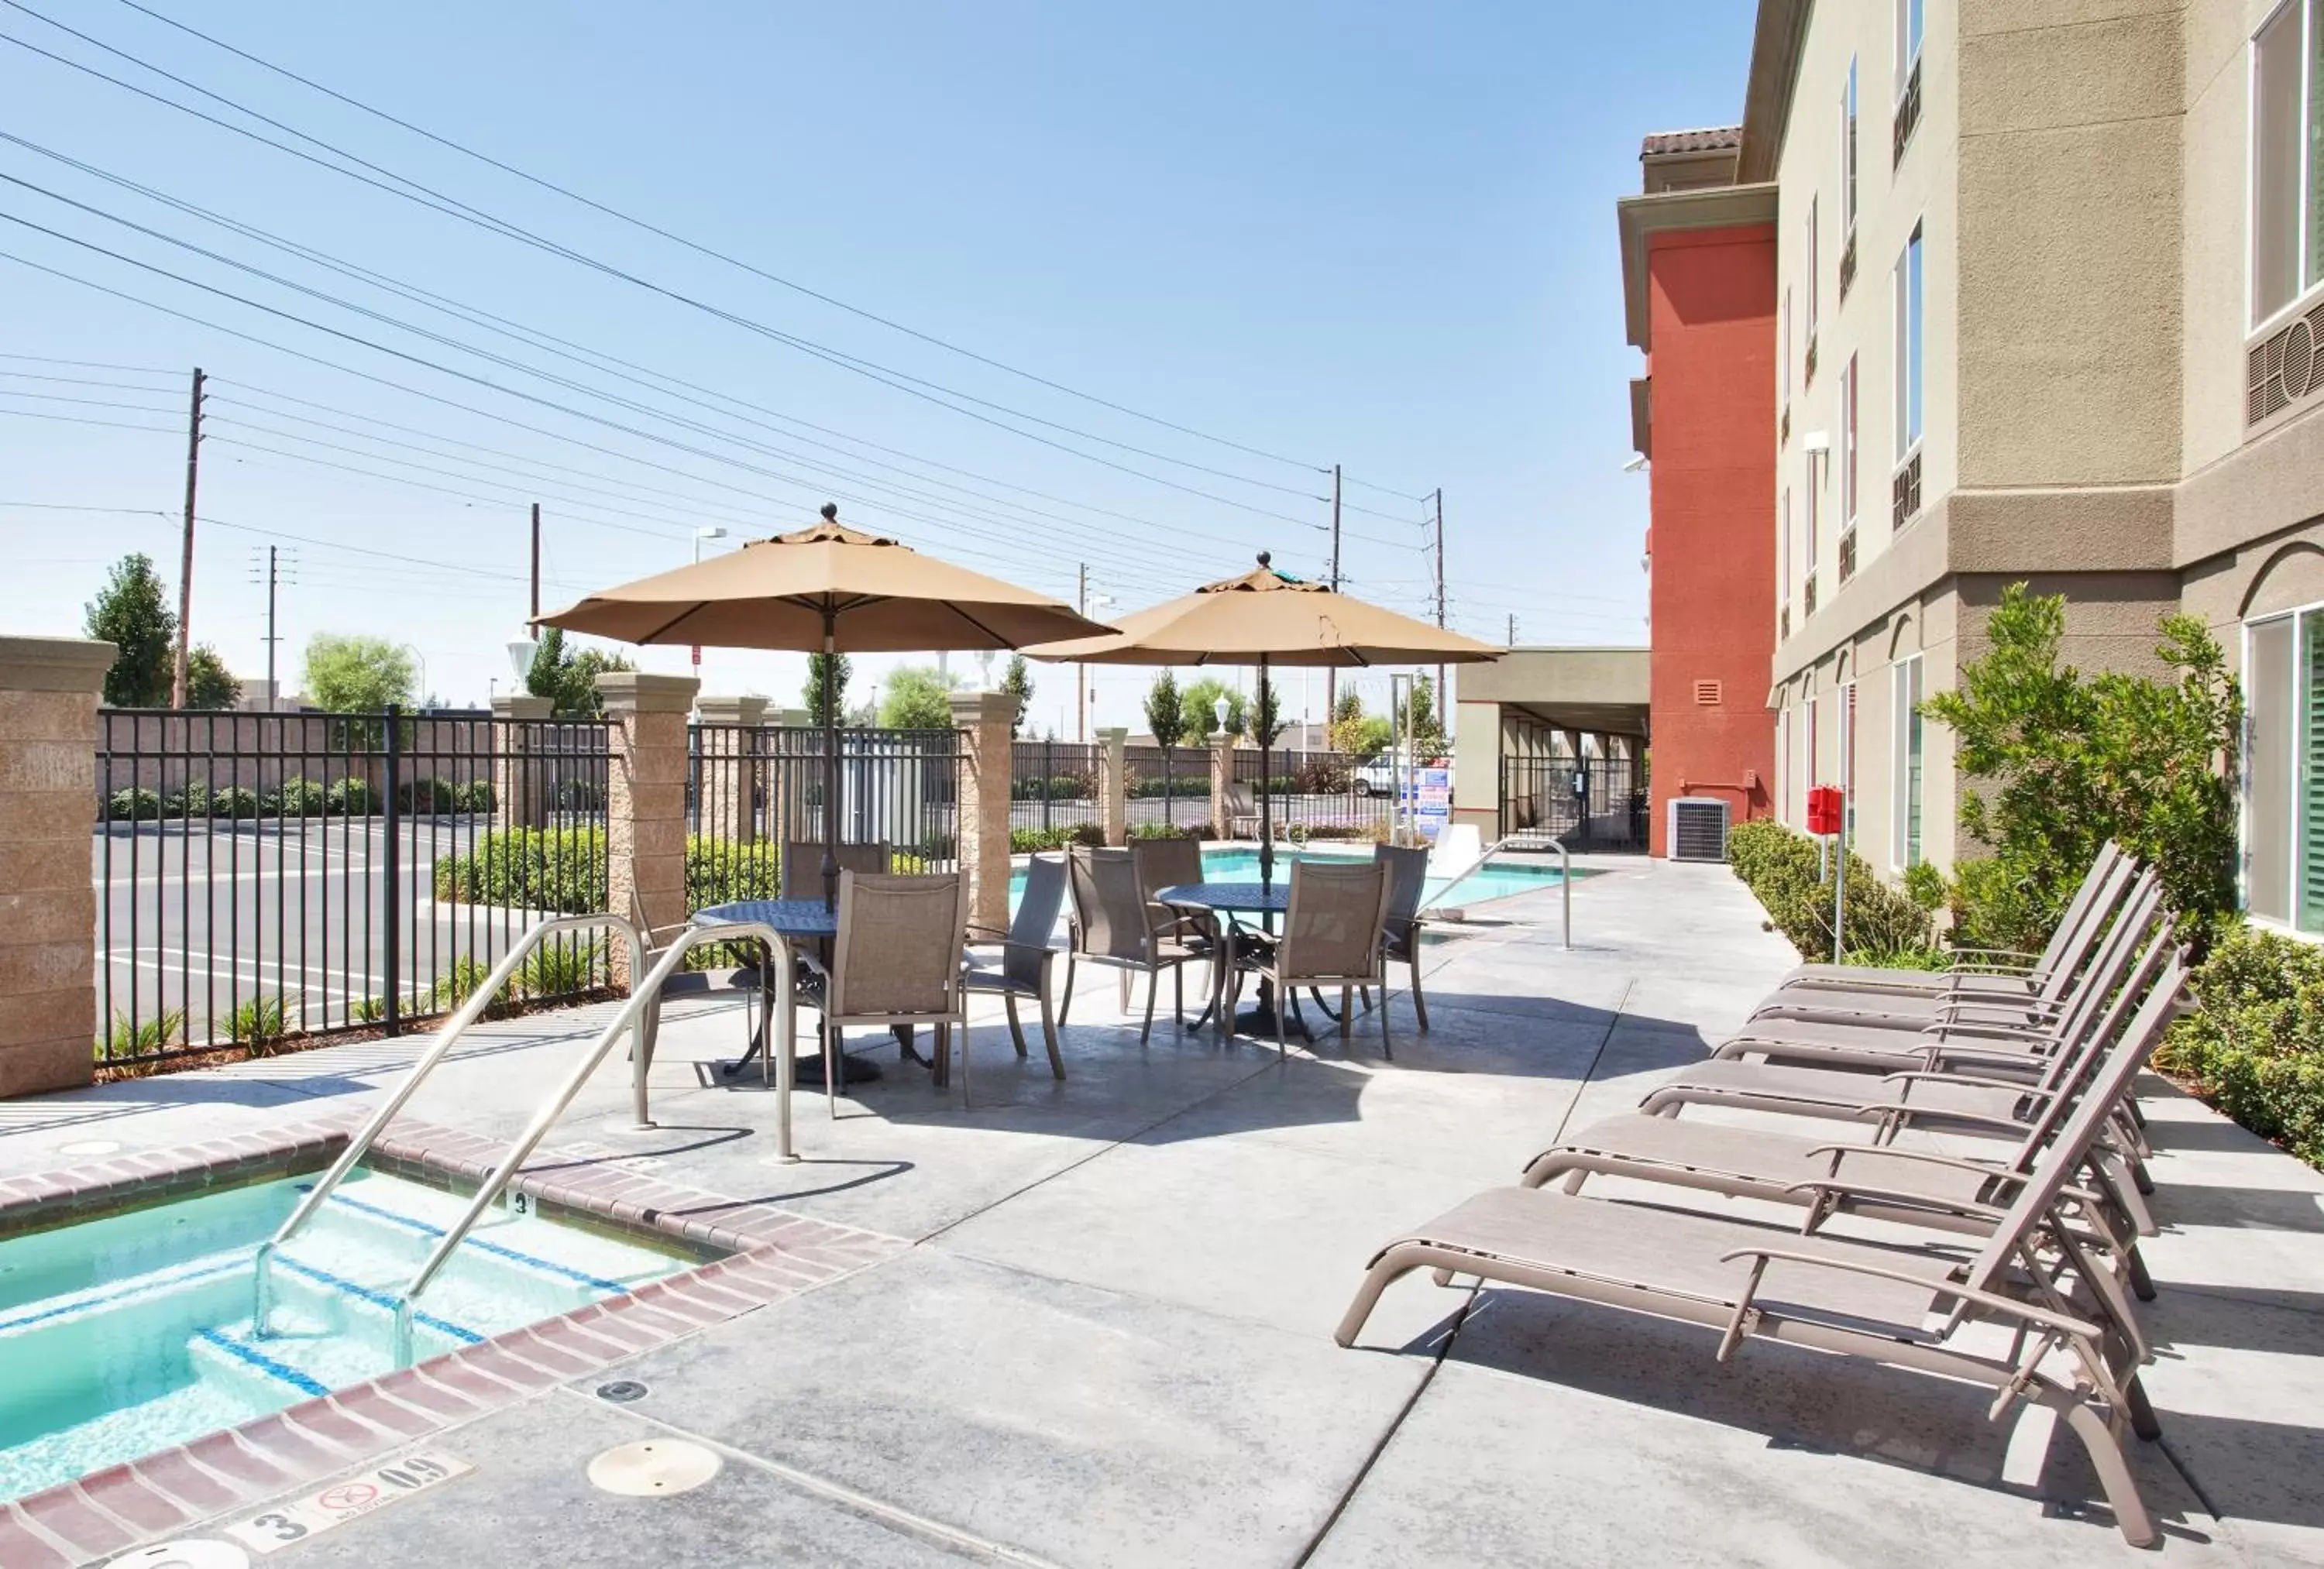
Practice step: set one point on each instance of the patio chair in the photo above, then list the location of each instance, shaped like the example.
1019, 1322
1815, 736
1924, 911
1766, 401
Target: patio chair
896, 962
1408, 884
1988, 1320
1242, 809
1333, 936
1114, 924
1877, 1180
1175, 863
803, 865
1025, 956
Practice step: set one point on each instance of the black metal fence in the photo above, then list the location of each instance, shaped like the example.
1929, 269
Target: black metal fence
751, 789
1327, 795
1054, 788
261, 875
1595, 803
1171, 788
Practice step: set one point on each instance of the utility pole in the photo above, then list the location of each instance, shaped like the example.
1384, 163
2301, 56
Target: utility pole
536, 563
1332, 672
186, 557
1513, 628
1443, 708
1080, 672
272, 640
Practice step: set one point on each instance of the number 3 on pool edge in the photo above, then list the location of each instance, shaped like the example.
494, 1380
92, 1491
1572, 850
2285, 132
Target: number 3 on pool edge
282, 1528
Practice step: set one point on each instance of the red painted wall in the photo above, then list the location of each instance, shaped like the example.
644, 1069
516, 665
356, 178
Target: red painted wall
1712, 595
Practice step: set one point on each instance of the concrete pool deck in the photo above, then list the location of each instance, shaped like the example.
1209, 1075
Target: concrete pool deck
1103, 1334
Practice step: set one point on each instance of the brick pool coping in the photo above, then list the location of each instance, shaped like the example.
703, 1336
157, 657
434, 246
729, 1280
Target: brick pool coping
770, 1254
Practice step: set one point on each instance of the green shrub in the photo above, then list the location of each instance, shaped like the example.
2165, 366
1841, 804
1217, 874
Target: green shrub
475, 795
1928, 958
133, 805
2256, 1047
142, 1039
1056, 787
193, 800
350, 797
1781, 868
429, 797
258, 1025
576, 795
1182, 785
1166, 830
719, 871
300, 796
236, 801
1025, 841
561, 968
556, 869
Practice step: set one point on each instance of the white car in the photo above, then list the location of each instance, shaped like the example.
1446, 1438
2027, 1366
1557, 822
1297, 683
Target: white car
1379, 776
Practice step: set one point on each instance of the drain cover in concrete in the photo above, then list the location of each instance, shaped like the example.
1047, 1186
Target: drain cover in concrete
654, 1468
198, 1553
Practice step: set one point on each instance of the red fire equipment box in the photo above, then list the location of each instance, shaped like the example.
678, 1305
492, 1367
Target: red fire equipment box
1824, 809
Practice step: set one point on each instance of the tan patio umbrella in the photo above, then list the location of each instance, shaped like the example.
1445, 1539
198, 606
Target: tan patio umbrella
828, 588
1269, 618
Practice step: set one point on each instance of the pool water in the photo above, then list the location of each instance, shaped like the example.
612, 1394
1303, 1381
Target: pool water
124, 1336
1494, 880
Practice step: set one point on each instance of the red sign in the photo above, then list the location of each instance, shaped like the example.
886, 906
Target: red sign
1824, 809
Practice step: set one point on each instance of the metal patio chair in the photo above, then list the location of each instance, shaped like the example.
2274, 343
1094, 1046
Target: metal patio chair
896, 962
1025, 954
1114, 924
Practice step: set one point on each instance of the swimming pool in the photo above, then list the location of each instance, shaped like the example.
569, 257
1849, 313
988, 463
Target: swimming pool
1496, 880
124, 1335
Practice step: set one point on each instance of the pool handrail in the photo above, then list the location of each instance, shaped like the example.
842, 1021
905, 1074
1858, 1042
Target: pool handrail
468, 1013
641, 997
1523, 840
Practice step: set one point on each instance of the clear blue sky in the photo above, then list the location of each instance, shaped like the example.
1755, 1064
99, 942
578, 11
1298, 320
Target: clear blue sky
1379, 234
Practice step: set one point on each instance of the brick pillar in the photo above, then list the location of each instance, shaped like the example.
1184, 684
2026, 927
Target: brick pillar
645, 802
985, 719
730, 777
1222, 749
1113, 784
521, 784
48, 906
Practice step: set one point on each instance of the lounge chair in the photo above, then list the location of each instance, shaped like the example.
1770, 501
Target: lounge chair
1115, 925
896, 962
1025, 954
1242, 810
1333, 936
1916, 1309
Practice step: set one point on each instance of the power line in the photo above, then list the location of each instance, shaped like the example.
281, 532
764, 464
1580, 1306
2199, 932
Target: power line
81, 419
87, 364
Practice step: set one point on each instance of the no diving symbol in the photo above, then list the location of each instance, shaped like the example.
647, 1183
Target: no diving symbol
352, 1495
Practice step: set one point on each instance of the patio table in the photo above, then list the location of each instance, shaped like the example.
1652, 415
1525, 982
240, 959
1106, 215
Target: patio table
1265, 900
795, 922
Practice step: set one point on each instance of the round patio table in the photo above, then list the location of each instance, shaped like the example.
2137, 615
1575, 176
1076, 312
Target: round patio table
1266, 902
796, 922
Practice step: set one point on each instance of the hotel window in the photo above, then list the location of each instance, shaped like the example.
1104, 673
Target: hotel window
2287, 157
1909, 349
1808, 327
1847, 182
1904, 777
1910, 21
1848, 469
1787, 762
1787, 372
2283, 770
1785, 523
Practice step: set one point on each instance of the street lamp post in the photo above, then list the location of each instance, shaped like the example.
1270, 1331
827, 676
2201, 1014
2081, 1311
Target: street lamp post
713, 532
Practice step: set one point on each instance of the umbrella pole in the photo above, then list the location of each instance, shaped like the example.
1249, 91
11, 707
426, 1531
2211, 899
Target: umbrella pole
1266, 770
830, 761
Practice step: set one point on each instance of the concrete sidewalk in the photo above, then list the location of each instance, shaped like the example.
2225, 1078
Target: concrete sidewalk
1110, 1343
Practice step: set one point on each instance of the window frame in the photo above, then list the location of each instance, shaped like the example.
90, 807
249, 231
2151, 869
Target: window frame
1907, 734
2298, 616
2308, 282
1909, 288
1849, 461
1848, 159
1815, 262
1908, 48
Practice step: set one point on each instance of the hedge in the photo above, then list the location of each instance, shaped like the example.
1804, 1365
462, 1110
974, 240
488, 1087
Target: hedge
563, 870
1780, 866
1031, 840
2256, 1047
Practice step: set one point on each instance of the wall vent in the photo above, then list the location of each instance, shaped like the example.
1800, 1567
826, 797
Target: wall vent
1706, 694
2285, 367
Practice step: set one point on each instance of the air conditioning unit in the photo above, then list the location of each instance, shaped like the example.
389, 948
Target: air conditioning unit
1698, 829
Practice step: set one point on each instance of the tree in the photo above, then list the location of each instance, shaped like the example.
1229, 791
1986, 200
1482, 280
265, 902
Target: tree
131, 612
1200, 702
1427, 729
210, 684
840, 671
1355, 733
355, 674
918, 697
1018, 683
2067, 762
569, 679
1267, 714
1165, 713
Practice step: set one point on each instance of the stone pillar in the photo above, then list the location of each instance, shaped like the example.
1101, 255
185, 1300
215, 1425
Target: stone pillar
985, 719
645, 802
1222, 750
728, 758
48, 907
522, 783
1113, 784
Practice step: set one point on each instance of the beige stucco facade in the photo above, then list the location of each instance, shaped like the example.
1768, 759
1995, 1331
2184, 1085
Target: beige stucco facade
2077, 172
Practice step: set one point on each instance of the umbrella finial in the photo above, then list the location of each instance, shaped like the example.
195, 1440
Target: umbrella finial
831, 511
1265, 558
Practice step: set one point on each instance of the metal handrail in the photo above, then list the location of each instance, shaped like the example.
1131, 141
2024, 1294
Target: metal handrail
1528, 839
642, 996
262, 1298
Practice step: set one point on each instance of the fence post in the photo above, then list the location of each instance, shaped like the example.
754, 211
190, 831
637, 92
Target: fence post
1113, 782
47, 902
1223, 750
391, 884
986, 720
517, 792
645, 802
728, 758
